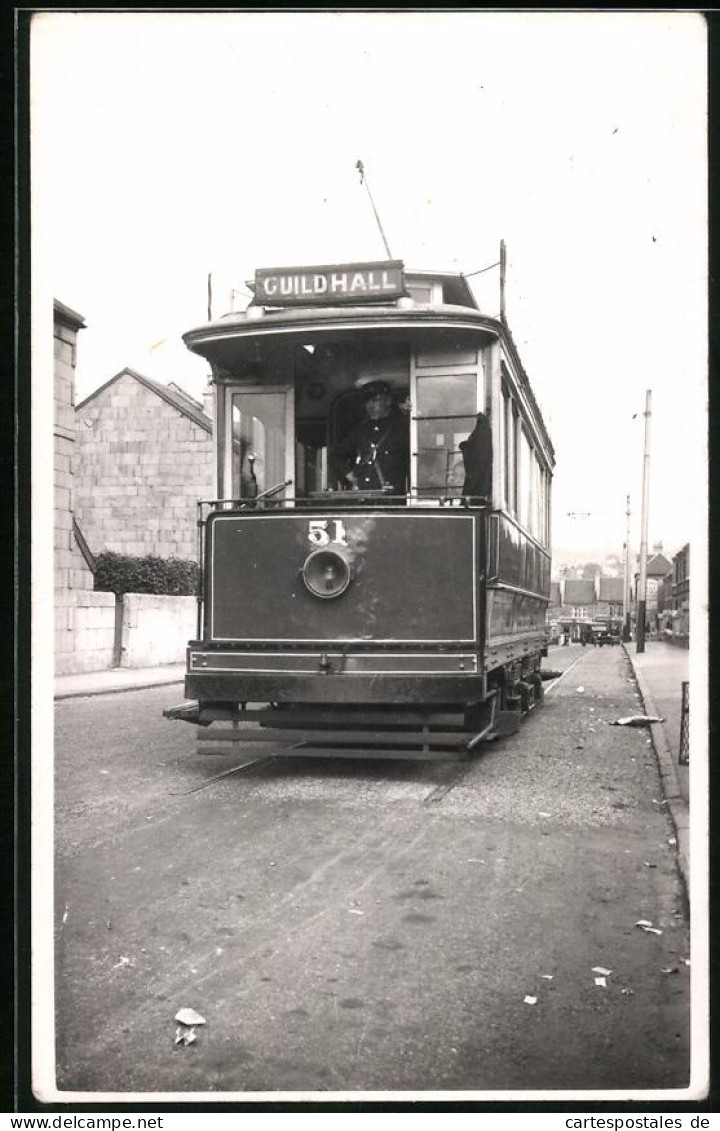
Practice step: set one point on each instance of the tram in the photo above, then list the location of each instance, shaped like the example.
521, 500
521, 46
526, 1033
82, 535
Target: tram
405, 619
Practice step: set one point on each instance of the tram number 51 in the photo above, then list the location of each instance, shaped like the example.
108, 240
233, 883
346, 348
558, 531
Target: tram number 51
320, 535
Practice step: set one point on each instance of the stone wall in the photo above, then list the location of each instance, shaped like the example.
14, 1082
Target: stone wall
156, 629
84, 632
73, 581
141, 467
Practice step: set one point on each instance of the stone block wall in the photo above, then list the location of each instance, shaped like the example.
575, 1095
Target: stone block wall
84, 632
156, 629
73, 581
141, 467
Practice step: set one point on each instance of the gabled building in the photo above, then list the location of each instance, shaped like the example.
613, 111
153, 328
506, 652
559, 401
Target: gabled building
658, 567
579, 596
572, 606
143, 459
609, 599
674, 600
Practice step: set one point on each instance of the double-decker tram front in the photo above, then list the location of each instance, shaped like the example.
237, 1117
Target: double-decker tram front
376, 567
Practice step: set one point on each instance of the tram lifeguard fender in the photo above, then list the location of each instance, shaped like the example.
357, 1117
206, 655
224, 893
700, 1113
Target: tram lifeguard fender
477, 453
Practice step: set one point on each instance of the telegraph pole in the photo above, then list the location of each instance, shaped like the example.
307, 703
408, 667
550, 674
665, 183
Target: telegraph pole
642, 583
503, 270
626, 587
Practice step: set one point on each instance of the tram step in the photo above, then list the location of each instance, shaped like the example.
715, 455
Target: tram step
345, 737
301, 750
318, 717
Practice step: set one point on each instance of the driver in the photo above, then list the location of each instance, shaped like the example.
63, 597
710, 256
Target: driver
375, 455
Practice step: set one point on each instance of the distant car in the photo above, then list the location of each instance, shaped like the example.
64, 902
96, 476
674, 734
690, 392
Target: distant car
601, 634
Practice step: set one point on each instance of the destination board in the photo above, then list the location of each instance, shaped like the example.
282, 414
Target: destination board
330, 284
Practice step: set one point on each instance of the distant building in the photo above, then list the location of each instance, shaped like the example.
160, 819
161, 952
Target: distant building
657, 569
609, 598
675, 609
575, 604
144, 458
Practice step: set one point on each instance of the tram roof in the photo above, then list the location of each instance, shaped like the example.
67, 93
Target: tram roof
261, 321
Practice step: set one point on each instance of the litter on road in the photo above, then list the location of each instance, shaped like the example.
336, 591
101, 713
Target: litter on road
601, 982
528, 1000
189, 1017
646, 925
601, 970
636, 721
185, 1036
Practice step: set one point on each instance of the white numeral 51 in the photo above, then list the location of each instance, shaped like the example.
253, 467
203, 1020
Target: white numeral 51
319, 535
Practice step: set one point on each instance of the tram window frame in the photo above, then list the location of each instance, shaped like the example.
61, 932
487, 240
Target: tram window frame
287, 431
515, 429
525, 479
509, 415
423, 376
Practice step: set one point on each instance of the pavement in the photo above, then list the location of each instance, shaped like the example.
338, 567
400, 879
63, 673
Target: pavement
117, 679
660, 671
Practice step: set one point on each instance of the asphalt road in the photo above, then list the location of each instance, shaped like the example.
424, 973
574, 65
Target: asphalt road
372, 927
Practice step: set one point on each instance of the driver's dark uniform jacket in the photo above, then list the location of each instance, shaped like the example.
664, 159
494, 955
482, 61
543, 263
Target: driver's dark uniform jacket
378, 452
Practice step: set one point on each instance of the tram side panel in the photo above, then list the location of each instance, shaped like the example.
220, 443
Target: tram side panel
518, 592
401, 620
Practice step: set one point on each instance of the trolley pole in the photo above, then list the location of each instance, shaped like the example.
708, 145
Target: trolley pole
364, 181
626, 587
642, 583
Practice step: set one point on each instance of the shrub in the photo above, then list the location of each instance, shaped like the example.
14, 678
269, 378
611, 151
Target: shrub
120, 573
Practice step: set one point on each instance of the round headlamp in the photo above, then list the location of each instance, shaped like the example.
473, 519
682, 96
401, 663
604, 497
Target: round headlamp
326, 573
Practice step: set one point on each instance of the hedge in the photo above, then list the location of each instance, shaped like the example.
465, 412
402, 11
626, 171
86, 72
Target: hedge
120, 573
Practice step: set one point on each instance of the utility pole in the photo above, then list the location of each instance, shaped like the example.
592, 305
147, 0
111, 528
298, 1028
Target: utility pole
642, 583
626, 586
363, 181
503, 268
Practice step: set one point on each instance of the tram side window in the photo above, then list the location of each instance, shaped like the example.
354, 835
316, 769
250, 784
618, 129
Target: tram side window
533, 490
525, 480
446, 414
509, 430
258, 442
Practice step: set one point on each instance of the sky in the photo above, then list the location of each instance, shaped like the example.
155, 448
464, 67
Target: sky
166, 146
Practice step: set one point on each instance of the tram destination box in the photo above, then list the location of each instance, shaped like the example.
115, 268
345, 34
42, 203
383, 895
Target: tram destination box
330, 284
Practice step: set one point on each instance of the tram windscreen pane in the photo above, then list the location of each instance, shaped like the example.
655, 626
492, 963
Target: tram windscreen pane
451, 394
258, 429
440, 463
446, 411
